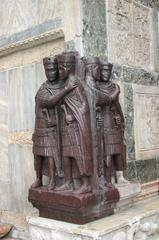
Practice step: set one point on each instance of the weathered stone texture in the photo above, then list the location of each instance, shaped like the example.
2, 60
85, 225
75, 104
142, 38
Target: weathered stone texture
72, 23
156, 39
141, 52
4, 111
141, 21
121, 15
19, 168
143, 171
94, 28
129, 115
70, 46
129, 33
133, 75
118, 52
117, 73
5, 194
38, 17
119, 27
149, 3
146, 121
22, 174
140, 76
3, 86
23, 84
32, 54
4, 176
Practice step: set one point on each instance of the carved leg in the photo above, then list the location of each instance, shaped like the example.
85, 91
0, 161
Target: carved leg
67, 186
108, 172
119, 167
38, 167
51, 184
85, 187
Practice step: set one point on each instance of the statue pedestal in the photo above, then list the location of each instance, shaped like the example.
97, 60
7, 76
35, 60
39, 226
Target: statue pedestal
141, 220
127, 193
75, 208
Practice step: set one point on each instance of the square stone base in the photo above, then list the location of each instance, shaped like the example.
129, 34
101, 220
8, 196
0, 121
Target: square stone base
75, 208
141, 221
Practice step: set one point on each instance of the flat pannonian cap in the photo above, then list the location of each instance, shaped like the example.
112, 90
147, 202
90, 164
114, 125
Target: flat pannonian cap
49, 60
67, 57
107, 65
73, 53
92, 60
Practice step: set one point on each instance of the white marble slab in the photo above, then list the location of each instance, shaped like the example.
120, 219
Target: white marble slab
146, 121
140, 220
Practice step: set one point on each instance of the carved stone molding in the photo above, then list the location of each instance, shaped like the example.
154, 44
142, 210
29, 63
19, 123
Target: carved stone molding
146, 121
141, 231
20, 138
31, 42
148, 190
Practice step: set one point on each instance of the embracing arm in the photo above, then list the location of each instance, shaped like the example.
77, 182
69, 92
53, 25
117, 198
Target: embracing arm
46, 99
53, 100
116, 92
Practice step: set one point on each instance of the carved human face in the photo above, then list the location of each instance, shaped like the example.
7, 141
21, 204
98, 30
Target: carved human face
64, 70
96, 71
105, 73
51, 72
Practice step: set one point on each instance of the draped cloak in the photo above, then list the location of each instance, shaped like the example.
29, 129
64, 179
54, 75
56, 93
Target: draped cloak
77, 104
111, 135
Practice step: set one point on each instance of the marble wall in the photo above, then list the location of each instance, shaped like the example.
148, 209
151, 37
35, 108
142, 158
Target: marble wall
23, 19
18, 87
129, 33
4, 176
94, 28
146, 121
21, 74
131, 42
132, 38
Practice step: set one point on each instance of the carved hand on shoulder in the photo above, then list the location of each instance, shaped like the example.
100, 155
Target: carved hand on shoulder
71, 84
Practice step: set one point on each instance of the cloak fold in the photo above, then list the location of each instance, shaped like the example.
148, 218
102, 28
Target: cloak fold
82, 116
